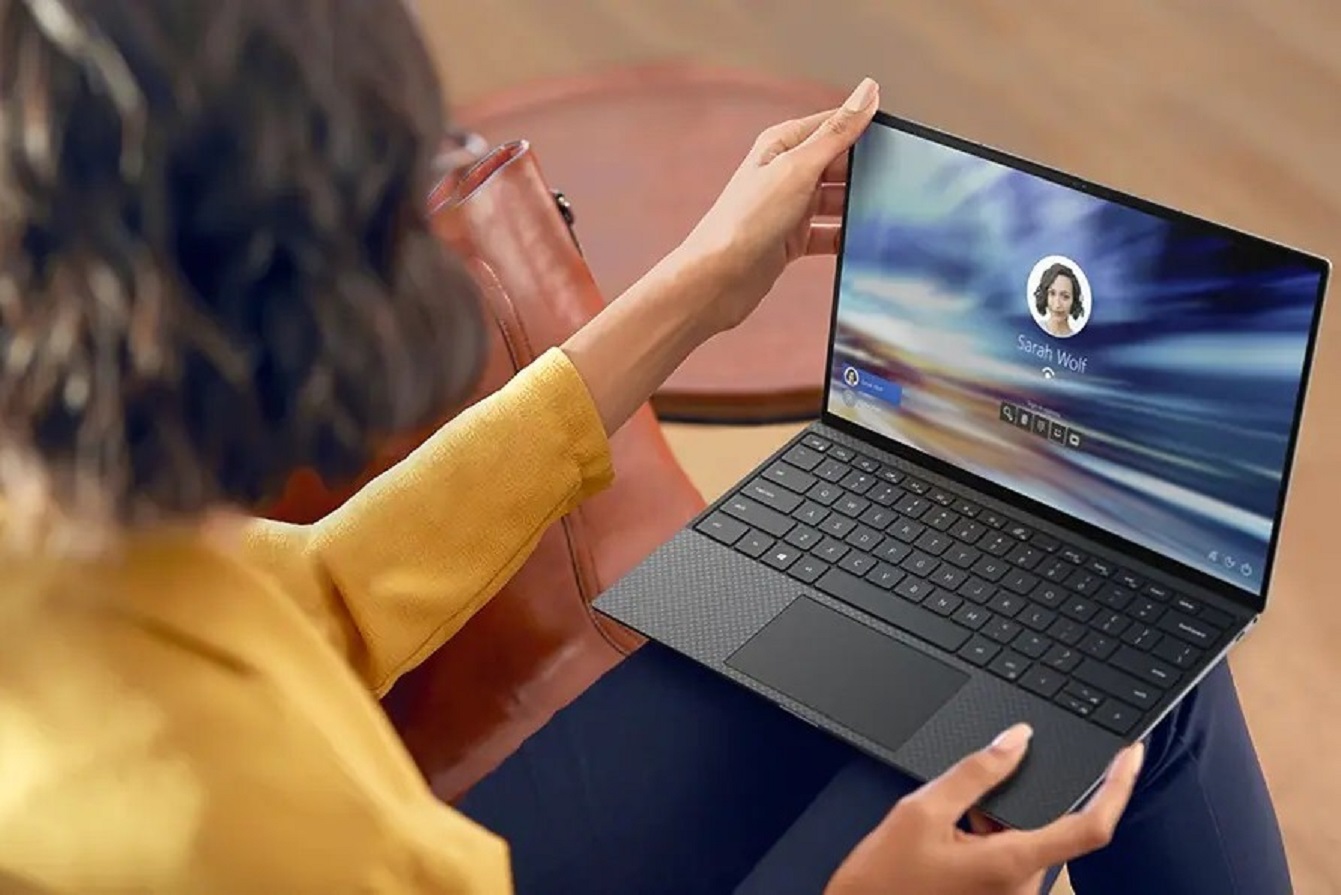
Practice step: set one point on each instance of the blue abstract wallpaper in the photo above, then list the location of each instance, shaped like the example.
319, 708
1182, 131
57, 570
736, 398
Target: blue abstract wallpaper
1163, 417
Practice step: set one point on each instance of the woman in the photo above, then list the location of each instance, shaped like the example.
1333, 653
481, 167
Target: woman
1058, 300
214, 269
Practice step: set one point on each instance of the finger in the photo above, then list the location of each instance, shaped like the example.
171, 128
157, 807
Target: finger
786, 136
837, 170
1086, 830
831, 199
953, 793
981, 824
823, 238
834, 135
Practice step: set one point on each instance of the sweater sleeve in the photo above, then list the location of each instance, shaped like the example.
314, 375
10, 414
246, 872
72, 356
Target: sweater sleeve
402, 565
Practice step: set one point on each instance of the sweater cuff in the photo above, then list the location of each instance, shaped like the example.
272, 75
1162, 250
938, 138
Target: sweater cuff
556, 386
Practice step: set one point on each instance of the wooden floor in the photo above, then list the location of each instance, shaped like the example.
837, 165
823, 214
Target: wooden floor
1228, 108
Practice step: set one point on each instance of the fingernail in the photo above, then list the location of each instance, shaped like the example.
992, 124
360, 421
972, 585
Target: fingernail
861, 97
1137, 756
1013, 740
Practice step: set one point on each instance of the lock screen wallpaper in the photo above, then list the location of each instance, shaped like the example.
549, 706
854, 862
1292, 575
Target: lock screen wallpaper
1137, 372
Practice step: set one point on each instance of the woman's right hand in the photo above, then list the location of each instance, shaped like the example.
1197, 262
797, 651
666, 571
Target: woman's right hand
918, 847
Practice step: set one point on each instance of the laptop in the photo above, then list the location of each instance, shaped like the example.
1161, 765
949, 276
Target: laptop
1047, 483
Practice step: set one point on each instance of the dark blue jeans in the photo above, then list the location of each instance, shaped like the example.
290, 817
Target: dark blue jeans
666, 778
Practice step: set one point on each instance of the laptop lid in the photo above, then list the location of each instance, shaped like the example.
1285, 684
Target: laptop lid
1120, 367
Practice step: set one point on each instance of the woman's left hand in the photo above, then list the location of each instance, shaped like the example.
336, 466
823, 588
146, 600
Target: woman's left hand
783, 202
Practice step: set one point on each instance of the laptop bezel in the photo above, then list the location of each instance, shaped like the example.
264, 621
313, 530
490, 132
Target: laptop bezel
1238, 595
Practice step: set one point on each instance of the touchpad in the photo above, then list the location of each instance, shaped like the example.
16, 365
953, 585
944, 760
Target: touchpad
848, 672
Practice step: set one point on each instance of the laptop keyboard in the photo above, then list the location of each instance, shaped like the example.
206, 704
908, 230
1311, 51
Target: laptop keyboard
1072, 628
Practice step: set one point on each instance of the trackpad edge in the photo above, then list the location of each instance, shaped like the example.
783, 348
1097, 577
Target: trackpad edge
853, 675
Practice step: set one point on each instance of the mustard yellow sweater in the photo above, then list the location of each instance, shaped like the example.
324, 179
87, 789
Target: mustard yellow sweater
187, 718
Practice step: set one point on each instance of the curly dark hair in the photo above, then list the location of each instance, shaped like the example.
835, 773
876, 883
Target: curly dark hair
215, 261
1054, 271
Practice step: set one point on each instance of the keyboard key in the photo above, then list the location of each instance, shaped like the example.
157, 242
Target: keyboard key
831, 551
804, 457
1116, 717
858, 482
1052, 595
1110, 623
1002, 630
990, 568
915, 620
864, 538
1142, 637
1046, 543
1158, 591
942, 497
815, 443
1036, 618
1062, 658
804, 537
857, 563
1184, 603
1067, 631
878, 517
1145, 667
1035, 646
941, 519
1101, 567
966, 508
968, 531
1043, 681
1019, 531
933, 542
886, 576
892, 551
997, 543
992, 519
1146, 610
883, 494
843, 454
1194, 631
961, 556
807, 569
1098, 646
825, 494
1006, 604
949, 577
1118, 684
919, 564
1024, 556
906, 530
832, 471
977, 590
755, 544
979, 651
1009, 665
1073, 556
1083, 582
913, 589
1130, 580
721, 527
758, 516
912, 506
1213, 616
1177, 653
1080, 609
866, 464
943, 603
1085, 694
1019, 581
1071, 703
917, 486
782, 557
838, 526
790, 477
810, 513
851, 505
971, 616
1115, 596
889, 474
772, 496
1055, 569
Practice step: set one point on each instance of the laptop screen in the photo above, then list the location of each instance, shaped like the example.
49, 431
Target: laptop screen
1125, 365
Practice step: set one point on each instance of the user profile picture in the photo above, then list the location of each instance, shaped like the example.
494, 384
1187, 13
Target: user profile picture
1059, 296
851, 377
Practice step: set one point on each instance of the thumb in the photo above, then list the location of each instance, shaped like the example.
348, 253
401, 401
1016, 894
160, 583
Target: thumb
953, 793
836, 133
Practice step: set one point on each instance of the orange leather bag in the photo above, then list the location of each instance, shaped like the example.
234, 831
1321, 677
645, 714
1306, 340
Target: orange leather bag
537, 644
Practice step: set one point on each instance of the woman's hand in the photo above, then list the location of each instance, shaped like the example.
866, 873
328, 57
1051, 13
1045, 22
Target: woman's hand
783, 202
919, 848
